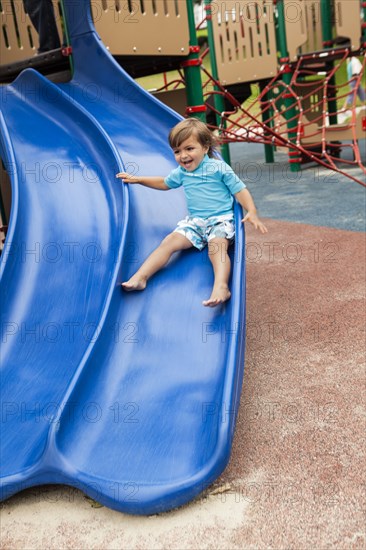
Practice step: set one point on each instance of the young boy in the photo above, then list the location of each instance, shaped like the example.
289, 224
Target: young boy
209, 185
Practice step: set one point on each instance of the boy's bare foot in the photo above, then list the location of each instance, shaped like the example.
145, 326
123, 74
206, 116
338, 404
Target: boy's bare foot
220, 294
135, 283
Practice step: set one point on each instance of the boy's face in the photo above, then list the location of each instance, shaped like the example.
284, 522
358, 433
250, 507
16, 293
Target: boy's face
190, 153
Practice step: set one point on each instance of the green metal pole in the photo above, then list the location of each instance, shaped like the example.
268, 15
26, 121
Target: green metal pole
218, 99
326, 22
327, 35
66, 35
266, 116
192, 71
291, 112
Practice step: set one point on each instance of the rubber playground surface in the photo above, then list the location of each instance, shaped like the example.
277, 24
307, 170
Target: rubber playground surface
296, 478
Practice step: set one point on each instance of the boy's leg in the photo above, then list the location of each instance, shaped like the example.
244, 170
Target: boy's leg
157, 260
218, 254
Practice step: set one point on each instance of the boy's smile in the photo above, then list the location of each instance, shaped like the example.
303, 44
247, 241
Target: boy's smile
190, 153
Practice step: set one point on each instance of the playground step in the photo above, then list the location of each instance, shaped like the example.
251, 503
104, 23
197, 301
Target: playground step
48, 63
145, 65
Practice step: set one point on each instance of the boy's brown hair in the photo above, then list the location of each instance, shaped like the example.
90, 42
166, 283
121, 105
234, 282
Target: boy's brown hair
192, 126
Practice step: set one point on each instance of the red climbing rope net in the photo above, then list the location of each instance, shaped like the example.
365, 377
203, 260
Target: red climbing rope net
313, 112
303, 114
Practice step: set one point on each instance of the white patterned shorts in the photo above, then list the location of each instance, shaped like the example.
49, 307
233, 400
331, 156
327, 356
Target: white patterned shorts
200, 231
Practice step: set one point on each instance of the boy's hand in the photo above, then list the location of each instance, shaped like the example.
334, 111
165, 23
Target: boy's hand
253, 219
128, 178
155, 182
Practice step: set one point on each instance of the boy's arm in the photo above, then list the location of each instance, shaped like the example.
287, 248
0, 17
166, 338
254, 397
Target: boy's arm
245, 199
156, 182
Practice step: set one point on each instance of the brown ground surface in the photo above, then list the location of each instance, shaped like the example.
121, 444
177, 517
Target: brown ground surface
296, 477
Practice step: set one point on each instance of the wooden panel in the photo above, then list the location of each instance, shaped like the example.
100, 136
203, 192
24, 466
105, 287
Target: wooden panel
18, 37
245, 41
176, 99
142, 27
304, 25
348, 21
297, 16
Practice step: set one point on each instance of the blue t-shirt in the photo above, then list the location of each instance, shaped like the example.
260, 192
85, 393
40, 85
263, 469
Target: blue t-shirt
209, 189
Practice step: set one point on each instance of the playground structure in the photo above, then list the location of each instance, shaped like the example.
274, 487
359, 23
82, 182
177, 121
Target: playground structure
293, 49
299, 105
101, 403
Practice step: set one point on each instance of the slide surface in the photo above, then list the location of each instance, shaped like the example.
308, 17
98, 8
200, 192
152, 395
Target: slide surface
131, 397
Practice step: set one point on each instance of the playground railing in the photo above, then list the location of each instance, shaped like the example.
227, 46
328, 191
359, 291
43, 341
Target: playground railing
348, 21
142, 27
244, 32
305, 21
245, 40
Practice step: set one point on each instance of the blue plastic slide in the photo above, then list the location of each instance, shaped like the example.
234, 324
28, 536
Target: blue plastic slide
130, 397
